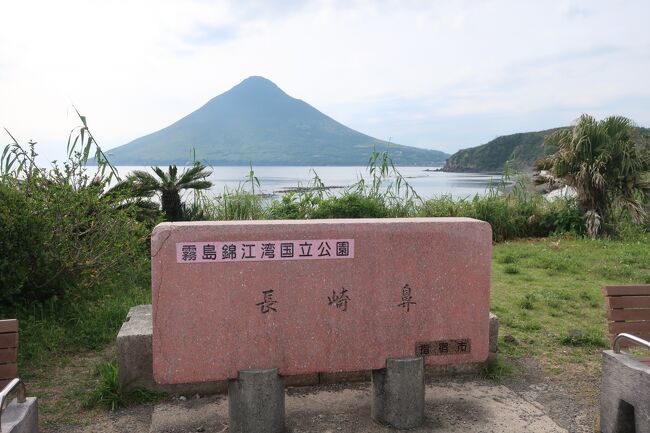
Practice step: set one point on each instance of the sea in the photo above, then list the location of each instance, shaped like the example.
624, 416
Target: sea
276, 180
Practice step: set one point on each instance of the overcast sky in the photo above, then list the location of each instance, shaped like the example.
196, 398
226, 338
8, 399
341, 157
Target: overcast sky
437, 74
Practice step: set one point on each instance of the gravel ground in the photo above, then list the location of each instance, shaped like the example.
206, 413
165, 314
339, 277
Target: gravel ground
525, 402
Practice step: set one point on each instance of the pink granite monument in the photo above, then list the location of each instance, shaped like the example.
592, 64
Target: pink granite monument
317, 296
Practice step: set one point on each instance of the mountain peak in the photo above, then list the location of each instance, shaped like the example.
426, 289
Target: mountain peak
253, 79
257, 84
257, 122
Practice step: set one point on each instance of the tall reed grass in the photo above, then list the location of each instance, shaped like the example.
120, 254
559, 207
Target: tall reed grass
511, 206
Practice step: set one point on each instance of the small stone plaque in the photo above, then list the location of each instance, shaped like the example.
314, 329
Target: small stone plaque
443, 347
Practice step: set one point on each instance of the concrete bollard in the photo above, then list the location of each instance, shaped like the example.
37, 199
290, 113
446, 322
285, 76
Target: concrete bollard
256, 402
398, 393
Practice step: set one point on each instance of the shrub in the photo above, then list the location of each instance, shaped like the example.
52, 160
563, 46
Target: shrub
21, 238
294, 206
238, 204
351, 205
60, 233
519, 213
59, 239
562, 215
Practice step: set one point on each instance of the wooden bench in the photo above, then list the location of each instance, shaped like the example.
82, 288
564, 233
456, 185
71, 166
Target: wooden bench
8, 351
628, 311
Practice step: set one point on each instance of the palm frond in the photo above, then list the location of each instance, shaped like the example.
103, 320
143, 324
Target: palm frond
161, 174
602, 162
197, 171
198, 184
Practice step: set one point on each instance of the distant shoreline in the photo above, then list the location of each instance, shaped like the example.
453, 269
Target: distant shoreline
468, 171
437, 166
298, 179
429, 168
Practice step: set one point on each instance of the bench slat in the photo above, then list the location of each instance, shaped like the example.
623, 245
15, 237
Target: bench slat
8, 371
638, 290
8, 340
10, 325
619, 315
629, 327
8, 355
4, 382
631, 302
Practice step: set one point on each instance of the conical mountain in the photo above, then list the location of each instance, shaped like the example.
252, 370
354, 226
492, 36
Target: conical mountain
257, 122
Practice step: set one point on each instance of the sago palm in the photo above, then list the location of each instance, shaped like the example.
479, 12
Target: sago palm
168, 185
601, 161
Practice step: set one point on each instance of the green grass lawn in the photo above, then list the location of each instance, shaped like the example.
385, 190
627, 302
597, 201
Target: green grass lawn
547, 294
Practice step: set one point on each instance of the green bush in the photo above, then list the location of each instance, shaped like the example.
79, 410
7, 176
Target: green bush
238, 204
74, 253
563, 215
351, 205
21, 238
293, 206
60, 240
512, 215
61, 232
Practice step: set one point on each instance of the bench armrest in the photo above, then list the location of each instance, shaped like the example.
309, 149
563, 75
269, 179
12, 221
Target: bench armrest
15, 385
630, 337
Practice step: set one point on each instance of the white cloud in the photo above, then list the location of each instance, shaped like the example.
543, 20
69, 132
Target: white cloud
388, 68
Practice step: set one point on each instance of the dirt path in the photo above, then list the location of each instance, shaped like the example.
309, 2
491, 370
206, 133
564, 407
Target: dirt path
571, 401
330, 408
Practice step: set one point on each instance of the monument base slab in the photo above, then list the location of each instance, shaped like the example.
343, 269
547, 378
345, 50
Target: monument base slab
135, 362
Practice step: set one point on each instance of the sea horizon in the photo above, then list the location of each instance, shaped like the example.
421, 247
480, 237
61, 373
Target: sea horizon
426, 181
